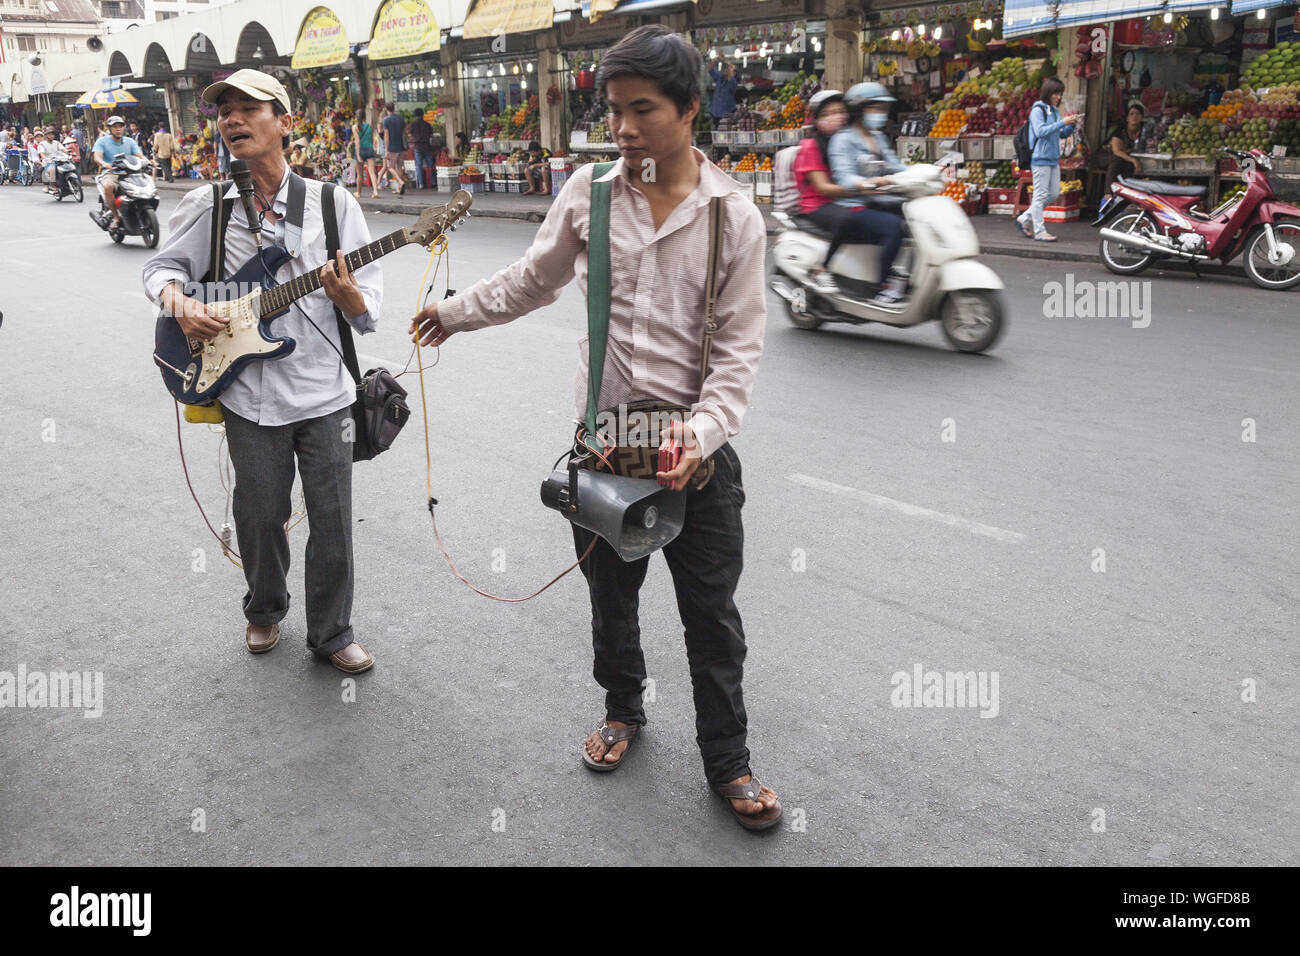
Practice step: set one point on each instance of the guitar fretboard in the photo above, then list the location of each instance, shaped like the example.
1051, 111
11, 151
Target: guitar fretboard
282, 296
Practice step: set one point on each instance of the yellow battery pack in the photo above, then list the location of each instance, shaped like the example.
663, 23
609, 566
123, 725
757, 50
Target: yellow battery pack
204, 414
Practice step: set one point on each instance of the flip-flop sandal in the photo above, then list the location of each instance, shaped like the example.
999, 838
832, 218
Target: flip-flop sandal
1044, 238
749, 791
611, 736
1027, 230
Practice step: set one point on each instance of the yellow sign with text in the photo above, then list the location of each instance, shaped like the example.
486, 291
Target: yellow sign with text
321, 41
404, 28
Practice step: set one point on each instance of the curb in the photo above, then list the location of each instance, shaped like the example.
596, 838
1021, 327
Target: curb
1025, 250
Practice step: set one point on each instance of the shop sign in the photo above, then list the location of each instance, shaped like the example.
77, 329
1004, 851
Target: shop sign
404, 28
721, 11
321, 41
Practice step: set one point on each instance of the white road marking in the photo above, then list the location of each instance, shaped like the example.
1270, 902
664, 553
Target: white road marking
916, 511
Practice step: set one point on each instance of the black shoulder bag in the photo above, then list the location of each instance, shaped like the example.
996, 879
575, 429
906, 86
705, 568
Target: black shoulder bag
380, 409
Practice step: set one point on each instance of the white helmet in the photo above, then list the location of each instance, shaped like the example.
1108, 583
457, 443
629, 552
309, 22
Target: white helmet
819, 100
113, 120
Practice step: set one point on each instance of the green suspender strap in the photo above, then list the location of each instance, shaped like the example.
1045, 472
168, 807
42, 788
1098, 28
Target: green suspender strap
598, 294
597, 297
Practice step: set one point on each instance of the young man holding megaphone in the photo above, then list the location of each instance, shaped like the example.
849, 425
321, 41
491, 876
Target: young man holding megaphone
641, 234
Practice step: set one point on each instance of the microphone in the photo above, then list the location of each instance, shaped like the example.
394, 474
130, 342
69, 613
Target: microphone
244, 183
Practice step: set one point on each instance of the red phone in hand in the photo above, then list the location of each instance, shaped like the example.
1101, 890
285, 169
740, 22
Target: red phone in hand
670, 456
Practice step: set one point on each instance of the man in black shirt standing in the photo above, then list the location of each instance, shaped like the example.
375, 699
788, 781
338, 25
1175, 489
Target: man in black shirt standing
421, 135
394, 146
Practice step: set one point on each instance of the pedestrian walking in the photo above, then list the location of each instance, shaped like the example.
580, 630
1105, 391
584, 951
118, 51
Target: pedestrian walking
363, 139
1046, 130
394, 146
162, 150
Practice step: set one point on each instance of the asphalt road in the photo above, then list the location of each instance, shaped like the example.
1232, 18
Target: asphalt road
1119, 733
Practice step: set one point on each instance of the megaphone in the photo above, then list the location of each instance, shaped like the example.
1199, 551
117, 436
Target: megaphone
637, 516
94, 44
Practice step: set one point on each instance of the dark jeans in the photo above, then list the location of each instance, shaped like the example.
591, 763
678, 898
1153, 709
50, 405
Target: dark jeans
872, 226
423, 160
705, 561
263, 456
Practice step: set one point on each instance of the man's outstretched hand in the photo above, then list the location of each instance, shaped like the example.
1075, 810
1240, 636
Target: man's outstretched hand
426, 329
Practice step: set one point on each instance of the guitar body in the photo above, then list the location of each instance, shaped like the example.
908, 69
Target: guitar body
200, 370
197, 371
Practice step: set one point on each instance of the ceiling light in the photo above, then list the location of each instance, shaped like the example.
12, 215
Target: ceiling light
530, 68
920, 30
895, 36
938, 33
1214, 14
258, 54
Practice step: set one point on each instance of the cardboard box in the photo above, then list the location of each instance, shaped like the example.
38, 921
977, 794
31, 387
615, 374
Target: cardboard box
1002, 209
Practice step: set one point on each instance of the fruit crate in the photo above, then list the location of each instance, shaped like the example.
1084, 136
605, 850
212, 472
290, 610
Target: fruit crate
772, 136
496, 169
743, 176
999, 196
972, 207
1193, 164
976, 146
1059, 213
723, 137
1287, 165
1001, 209
747, 190
1004, 147
514, 169
906, 145
1068, 200
745, 137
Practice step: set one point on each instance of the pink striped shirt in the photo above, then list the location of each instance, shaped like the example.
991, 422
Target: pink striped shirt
657, 302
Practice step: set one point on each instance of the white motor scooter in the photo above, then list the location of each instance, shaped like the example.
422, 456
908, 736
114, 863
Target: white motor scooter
945, 282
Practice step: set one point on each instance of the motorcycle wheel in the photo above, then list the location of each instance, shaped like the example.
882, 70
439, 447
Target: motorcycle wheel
74, 185
1255, 258
802, 320
1125, 260
972, 319
149, 229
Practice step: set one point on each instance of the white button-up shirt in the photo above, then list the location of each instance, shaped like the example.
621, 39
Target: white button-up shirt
310, 381
656, 308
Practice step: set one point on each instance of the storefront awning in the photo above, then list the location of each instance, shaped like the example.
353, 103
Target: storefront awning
494, 17
1023, 17
1242, 7
403, 28
593, 10
321, 41
1071, 13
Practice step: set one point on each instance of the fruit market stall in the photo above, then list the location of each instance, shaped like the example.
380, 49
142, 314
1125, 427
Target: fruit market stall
1249, 99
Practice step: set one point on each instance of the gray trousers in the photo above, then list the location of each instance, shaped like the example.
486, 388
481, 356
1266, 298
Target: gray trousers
263, 456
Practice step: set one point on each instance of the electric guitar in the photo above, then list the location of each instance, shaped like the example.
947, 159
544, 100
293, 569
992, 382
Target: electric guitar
196, 371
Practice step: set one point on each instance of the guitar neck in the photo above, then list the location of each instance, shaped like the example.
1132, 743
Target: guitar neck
282, 296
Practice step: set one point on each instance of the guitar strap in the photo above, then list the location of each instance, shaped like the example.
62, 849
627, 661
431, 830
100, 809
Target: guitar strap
330, 215
217, 241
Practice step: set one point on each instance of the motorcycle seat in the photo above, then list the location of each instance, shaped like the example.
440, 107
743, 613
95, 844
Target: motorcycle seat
809, 225
1158, 188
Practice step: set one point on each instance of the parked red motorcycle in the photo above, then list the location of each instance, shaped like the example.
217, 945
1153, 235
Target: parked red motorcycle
1145, 220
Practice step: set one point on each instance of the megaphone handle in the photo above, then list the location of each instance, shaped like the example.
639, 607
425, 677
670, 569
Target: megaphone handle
573, 486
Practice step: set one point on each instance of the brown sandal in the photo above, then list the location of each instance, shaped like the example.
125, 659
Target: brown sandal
764, 820
610, 736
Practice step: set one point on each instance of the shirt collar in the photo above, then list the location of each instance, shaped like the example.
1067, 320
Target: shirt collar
713, 181
281, 201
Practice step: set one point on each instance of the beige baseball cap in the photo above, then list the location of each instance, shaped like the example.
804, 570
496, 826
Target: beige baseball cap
258, 85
